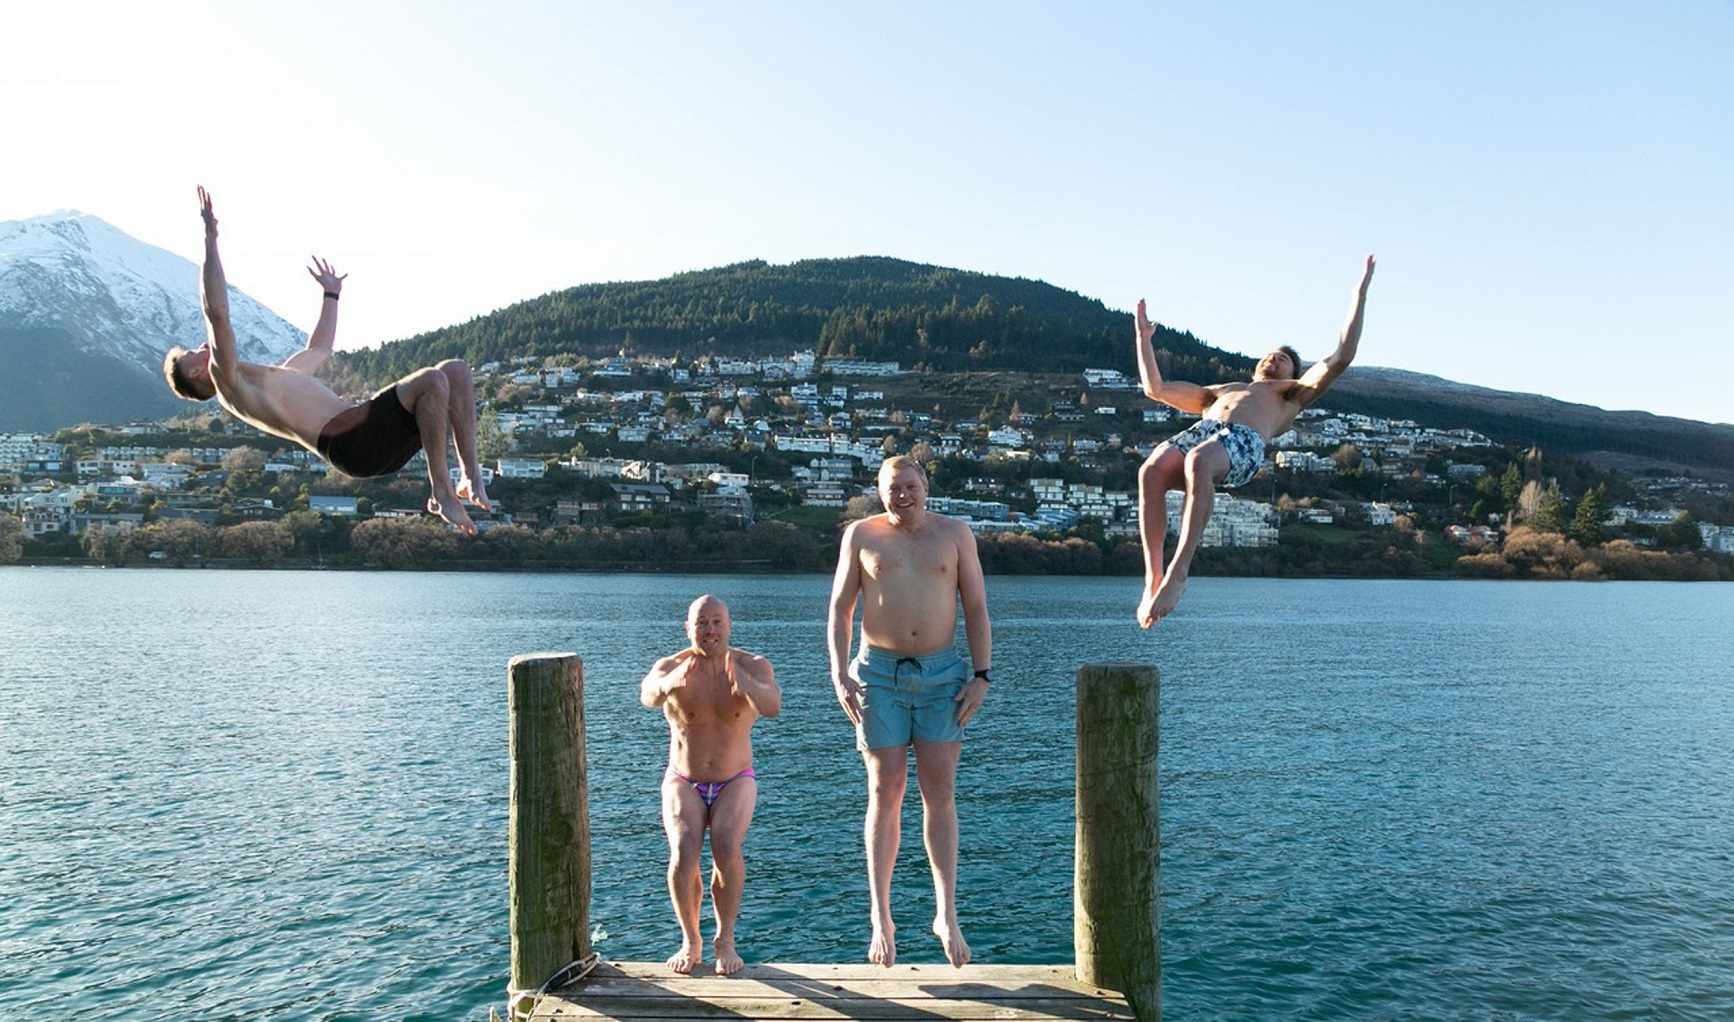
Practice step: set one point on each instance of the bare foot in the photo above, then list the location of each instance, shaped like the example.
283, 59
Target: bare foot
1168, 596
883, 950
688, 958
951, 938
1145, 617
473, 492
727, 962
452, 511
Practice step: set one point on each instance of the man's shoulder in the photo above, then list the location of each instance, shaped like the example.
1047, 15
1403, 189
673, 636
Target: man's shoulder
872, 525
757, 665
949, 526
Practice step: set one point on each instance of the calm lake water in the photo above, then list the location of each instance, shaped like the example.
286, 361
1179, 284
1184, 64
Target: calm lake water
282, 795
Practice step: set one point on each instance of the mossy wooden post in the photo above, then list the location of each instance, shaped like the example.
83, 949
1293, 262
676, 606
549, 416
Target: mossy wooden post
548, 857
1116, 921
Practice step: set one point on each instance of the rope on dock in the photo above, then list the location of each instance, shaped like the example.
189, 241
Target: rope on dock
516, 1008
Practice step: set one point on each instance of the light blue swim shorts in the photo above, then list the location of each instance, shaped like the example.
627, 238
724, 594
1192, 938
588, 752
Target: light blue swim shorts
907, 697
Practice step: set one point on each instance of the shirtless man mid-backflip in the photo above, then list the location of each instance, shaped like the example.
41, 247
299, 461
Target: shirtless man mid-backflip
1226, 447
711, 694
910, 569
372, 439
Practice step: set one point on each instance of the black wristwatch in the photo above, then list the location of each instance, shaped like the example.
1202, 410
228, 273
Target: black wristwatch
982, 674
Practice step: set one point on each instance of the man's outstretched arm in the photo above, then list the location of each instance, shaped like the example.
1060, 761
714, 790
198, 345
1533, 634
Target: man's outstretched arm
1319, 378
214, 296
324, 335
1188, 397
840, 622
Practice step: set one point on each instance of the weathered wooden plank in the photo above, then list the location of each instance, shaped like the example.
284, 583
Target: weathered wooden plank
588, 1006
992, 974
783, 993
848, 989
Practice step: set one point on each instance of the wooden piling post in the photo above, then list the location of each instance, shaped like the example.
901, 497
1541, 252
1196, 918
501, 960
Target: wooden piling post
548, 857
1116, 919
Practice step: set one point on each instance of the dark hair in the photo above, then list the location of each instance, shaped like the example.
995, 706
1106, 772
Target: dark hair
179, 382
1293, 359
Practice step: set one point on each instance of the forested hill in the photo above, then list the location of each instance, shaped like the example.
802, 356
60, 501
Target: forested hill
872, 308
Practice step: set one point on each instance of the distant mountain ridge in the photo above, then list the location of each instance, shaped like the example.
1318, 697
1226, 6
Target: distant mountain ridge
1534, 419
86, 313
867, 307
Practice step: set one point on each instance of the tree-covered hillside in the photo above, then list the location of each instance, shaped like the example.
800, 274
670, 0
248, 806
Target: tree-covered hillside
871, 308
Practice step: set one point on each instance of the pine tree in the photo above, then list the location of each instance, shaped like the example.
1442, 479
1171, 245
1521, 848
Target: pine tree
1586, 524
1511, 486
1549, 514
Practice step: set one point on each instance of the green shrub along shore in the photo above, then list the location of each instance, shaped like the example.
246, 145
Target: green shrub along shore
686, 541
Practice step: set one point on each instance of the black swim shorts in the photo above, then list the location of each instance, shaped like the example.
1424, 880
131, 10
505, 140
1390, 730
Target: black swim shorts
372, 439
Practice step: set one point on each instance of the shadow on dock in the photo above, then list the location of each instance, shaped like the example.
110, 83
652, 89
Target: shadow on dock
650, 992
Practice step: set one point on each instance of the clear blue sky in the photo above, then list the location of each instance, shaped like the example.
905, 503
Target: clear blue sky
1547, 186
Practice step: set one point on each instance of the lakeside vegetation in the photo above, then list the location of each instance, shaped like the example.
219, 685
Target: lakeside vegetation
1551, 545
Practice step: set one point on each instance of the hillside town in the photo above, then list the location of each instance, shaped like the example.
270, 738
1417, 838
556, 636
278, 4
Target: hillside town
605, 439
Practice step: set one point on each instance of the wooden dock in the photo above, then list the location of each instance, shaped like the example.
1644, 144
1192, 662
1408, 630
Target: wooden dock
1116, 924
631, 991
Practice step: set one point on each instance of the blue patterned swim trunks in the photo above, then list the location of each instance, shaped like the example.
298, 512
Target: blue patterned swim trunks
1244, 446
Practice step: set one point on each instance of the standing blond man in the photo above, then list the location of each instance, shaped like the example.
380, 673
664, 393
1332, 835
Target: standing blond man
908, 687
710, 694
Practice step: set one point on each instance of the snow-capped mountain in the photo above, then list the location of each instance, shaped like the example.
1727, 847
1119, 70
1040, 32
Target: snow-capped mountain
86, 313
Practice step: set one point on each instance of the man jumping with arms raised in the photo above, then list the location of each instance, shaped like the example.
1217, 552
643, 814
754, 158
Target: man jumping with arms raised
375, 438
1226, 447
711, 694
909, 570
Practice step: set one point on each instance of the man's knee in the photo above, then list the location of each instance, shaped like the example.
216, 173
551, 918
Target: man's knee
1161, 469
726, 853
423, 383
454, 369
887, 786
938, 787
683, 855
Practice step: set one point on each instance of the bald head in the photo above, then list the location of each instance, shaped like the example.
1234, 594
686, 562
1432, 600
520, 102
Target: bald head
707, 625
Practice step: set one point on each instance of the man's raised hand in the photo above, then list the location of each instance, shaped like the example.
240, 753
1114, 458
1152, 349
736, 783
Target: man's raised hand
205, 213
1146, 329
328, 278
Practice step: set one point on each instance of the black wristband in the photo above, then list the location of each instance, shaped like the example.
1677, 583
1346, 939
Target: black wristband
982, 674
333, 295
